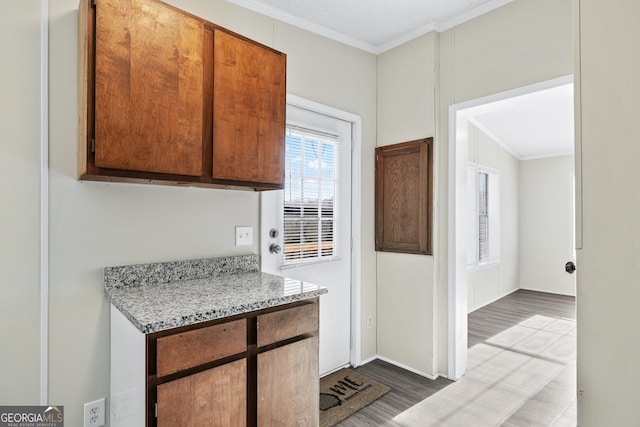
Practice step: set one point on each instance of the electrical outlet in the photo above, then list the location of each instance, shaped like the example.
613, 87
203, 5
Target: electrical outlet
369, 322
94, 413
244, 236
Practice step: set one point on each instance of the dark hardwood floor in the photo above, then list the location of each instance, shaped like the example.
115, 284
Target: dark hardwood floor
551, 404
515, 308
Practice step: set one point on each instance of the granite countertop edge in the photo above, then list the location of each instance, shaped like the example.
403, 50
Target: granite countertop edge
211, 314
165, 295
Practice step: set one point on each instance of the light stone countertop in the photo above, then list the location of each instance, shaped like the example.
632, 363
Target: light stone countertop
157, 306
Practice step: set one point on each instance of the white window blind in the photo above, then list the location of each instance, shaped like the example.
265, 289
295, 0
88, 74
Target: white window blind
310, 202
483, 210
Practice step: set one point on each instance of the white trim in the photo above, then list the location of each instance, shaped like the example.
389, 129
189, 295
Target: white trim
497, 298
577, 121
491, 135
471, 14
356, 212
44, 203
369, 360
313, 27
296, 21
550, 156
407, 368
512, 93
457, 265
356, 241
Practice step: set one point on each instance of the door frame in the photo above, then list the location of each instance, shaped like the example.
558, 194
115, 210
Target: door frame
457, 255
355, 353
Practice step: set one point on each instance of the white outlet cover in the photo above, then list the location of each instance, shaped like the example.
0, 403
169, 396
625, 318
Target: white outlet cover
244, 236
94, 413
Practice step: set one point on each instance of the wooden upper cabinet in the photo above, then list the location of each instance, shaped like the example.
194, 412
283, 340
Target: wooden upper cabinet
404, 197
149, 88
249, 93
168, 97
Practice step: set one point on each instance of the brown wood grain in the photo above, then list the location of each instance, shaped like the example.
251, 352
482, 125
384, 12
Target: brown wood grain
404, 197
288, 385
285, 324
149, 85
212, 398
189, 349
85, 33
249, 93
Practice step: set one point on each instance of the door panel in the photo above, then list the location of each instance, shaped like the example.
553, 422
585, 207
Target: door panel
215, 398
335, 306
284, 372
157, 64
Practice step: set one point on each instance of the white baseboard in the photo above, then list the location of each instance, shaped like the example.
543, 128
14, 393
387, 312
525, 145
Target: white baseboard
400, 365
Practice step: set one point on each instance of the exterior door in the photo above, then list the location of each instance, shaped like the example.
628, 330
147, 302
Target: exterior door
308, 224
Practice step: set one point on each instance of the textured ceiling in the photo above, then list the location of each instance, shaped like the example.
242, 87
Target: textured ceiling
372, 25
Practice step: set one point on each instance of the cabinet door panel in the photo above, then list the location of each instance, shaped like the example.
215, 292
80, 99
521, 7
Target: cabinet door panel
289, 385
149, 88
213, 398
249, 111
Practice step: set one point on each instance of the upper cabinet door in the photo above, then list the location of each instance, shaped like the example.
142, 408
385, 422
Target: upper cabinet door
249, 94
149, 88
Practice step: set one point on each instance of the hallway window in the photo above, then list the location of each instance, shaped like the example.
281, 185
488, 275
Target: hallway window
483, 213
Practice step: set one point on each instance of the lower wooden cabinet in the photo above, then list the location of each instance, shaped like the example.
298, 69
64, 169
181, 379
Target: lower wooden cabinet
255, 369
284, 387
216, 397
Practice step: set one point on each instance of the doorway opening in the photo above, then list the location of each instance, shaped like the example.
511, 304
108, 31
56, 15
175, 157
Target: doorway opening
316, 219
473, 283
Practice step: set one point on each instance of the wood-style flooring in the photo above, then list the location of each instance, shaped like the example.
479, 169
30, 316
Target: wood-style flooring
521, 372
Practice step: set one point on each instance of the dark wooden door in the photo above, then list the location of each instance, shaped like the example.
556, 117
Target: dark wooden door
214, 398
249, 92
289, 385
149, 88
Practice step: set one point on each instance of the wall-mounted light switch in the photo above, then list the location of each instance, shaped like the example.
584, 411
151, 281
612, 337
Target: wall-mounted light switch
244, 236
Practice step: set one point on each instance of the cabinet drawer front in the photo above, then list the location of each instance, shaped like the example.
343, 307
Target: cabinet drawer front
188, 349
289, 323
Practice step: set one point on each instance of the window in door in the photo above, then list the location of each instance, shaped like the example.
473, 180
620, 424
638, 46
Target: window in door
483, 213
310, 202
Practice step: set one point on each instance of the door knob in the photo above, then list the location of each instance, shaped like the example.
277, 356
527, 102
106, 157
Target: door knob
570, 267
274, 248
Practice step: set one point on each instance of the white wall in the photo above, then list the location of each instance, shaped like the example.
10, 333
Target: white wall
20, 208
492, 282
523, 42
406, 112
608, 268
94, 225
546, 217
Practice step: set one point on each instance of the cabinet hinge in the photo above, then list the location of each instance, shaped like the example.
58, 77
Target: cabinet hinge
257, 325
156, 409
93, 2
93, 145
